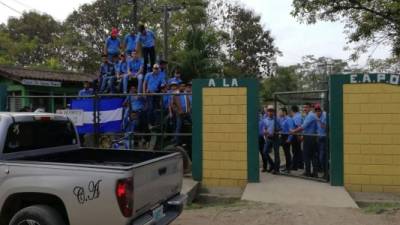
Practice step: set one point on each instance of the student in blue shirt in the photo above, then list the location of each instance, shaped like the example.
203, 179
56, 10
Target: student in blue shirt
109, 70
152, 84
86, 91
261, 142
134, 116
123, 73
272, 142
287, 124
147, 40
309, 128
113, 44
321, 129
130, 43
297, 160
135, 70
177, 77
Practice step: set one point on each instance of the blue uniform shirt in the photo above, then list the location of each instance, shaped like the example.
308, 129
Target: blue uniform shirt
175, 79
135, 65
322, 121
113, 45
298, 119
310, 124
130, 43
136, 102
270, 126
122, 67
287, 124
86, 92
147, 40
107, 69
154, 82
184, 103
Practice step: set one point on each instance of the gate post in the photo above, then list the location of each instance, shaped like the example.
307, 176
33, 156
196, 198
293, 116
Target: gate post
225, 132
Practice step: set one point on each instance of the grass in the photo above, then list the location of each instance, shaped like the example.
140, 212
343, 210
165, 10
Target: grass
217, 203
379, 208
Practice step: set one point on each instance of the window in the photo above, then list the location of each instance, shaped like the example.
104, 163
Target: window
25, 136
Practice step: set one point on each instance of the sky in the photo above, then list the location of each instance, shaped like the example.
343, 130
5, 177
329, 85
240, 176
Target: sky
293, 39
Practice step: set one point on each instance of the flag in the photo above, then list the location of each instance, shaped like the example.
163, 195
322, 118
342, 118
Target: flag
110, 114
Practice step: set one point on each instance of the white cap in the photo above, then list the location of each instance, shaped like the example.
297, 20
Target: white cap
270, 107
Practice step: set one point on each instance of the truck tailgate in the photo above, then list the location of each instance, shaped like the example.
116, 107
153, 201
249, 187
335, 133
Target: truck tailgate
157, 181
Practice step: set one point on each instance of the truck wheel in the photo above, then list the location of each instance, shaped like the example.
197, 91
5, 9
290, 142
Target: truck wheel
187, 163
37, 215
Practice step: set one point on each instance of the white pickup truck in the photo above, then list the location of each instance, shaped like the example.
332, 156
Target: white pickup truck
46, 178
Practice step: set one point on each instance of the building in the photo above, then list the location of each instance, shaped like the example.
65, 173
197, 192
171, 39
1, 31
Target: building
18, 81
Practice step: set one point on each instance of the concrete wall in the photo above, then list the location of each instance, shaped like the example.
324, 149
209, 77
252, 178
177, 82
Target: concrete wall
371, 137
225, 137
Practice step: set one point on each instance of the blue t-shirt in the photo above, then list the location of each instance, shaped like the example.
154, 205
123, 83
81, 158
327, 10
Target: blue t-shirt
298, 119
147, 40
113, 45
86, 92
287, 124
122, 67
135, 65
175, 79
310, 124
130, 43
322, 122
270, 126
136, 102
108, 69
154, 82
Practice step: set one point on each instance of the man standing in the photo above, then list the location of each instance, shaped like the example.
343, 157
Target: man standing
86, 91
130, 43
272, 142
287, 125
261, 142
113, 44
147, 40
321, 129
152, 84
297, 160
309, 128
135, 67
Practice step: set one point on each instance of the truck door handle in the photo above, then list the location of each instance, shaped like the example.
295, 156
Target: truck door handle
162, 171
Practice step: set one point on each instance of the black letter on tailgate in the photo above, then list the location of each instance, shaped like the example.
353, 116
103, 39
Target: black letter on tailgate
93, 189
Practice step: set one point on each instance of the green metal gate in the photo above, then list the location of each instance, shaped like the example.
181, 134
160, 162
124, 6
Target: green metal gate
3, 97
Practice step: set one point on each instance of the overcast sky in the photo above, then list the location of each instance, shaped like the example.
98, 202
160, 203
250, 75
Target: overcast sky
292, 38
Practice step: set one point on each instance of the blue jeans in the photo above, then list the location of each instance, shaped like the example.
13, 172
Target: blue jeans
125, 81
107, 84
310, 154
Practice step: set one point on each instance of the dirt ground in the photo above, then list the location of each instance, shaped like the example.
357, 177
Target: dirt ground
251, 213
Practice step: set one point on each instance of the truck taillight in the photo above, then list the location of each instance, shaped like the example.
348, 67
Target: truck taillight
124, 192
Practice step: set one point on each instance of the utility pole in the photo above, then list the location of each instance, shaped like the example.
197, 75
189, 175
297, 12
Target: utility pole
135, 14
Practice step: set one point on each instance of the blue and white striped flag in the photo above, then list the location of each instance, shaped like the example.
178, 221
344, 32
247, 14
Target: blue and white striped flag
110, 113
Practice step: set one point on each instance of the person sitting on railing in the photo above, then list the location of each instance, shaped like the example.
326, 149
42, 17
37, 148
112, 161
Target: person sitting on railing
86, 91
135, 67
109, 78
177, 77
123, 73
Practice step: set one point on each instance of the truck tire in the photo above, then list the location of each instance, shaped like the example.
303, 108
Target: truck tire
187, 163
37, 215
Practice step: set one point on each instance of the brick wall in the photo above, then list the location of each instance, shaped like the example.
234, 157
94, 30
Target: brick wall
371, 137
225, 137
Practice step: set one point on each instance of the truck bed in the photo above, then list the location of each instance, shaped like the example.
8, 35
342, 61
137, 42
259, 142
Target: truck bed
121, 158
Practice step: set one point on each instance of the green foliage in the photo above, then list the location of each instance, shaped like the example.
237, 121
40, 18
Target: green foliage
372, 21
286, 79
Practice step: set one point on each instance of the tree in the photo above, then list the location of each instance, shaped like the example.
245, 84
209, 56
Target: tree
368, 22
390, 65
251, 47
286, 79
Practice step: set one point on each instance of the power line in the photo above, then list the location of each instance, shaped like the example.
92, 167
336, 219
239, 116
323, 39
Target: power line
11, 8
23, 4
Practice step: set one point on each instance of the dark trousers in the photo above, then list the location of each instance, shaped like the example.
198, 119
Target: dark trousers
153, 109
286, 149
148, 53
322, 156
310, 154
261, 143
273, 143
297, 160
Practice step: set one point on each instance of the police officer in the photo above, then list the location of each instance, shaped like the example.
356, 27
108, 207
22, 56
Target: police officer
272, 141
309, 128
